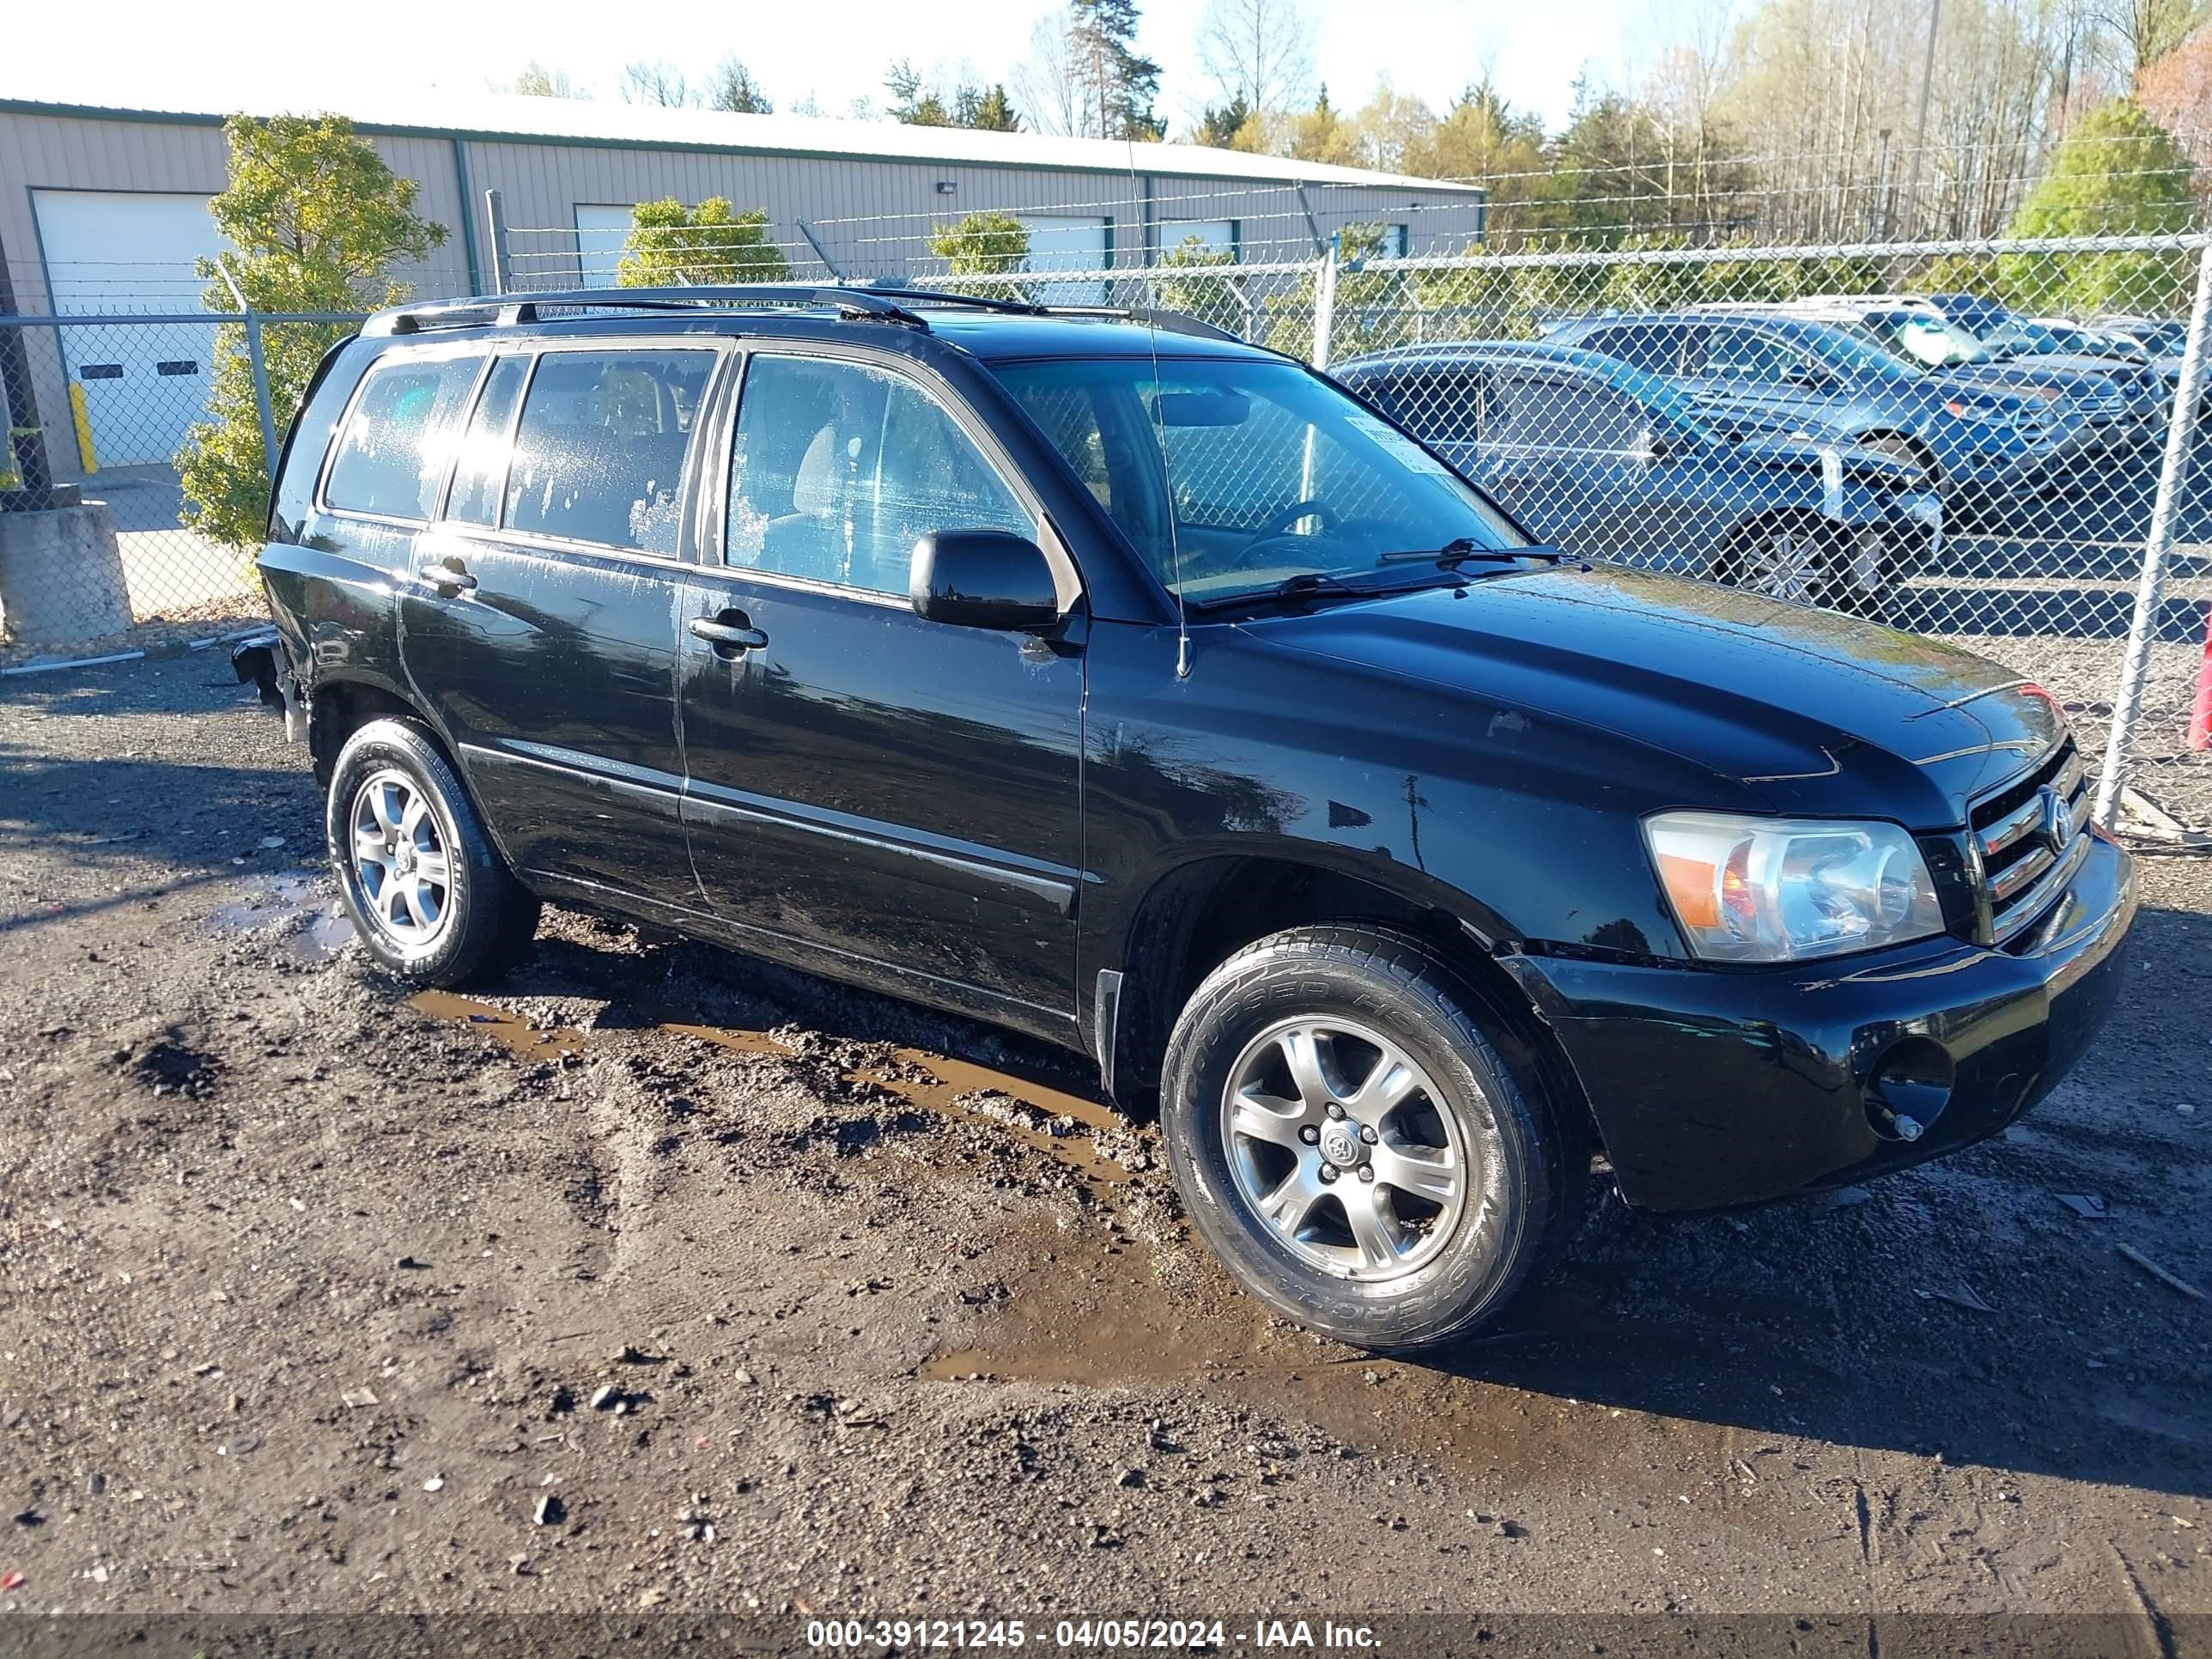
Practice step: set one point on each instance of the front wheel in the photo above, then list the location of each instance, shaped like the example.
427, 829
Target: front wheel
1798, 558
429, 896
1351, 1140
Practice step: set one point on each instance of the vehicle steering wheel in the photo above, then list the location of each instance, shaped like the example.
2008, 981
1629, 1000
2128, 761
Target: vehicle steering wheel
1281, 523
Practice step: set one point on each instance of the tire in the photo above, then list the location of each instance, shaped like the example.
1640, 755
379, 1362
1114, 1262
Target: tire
393, 786
1451, 1269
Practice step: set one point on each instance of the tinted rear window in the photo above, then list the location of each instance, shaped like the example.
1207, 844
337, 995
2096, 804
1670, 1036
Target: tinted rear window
393, 454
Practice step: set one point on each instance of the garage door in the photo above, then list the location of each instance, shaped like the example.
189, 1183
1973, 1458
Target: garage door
110, 251
1058, 243
600, 233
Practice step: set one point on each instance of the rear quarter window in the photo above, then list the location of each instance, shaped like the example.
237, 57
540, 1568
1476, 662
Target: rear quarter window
392, 451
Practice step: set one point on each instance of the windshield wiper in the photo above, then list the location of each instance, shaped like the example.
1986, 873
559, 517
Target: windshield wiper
1460, 548
1291, 587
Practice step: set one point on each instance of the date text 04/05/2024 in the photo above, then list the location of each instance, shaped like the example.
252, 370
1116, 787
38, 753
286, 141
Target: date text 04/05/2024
1107, 1635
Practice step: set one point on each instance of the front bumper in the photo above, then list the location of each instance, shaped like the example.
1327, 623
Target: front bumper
1714, 1088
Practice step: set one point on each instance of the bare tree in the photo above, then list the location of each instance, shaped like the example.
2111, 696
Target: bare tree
1261, 51
655, 84
2144, 31
1050, 80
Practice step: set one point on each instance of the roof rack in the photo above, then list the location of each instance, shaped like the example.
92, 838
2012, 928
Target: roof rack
885, 303
878, 304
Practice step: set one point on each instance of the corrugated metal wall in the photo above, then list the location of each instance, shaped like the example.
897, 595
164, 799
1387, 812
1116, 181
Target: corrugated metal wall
872, 216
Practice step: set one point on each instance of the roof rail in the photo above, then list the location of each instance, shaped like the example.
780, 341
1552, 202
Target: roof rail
1167, 322
507, 310
885, 302
881, 304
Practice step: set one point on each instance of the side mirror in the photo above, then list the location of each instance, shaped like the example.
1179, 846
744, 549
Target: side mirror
1653, 448
982, 579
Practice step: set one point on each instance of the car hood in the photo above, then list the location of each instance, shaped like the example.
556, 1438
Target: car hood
1799, 710
2047, 369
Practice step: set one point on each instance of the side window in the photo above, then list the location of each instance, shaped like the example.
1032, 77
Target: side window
598, 453
482, 469
1440, 407
1589, 416
837, 469
392, 455
1738, 354
1523, 413
1655, 347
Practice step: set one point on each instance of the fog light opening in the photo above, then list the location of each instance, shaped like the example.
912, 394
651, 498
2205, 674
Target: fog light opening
1909, 1090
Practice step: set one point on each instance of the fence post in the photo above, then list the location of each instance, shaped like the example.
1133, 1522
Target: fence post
502, 273
2165, 520
258, 364
1324, 305
24, 477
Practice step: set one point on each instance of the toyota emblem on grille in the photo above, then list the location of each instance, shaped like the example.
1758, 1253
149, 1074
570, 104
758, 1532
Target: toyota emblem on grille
2055, 819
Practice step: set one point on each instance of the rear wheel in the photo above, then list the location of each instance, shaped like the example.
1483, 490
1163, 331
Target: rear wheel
428, 894
1350, 1139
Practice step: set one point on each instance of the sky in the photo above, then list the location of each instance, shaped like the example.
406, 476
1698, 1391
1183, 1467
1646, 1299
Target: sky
287, 55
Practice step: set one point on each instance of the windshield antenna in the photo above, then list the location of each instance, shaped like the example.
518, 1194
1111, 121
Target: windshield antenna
1160, 427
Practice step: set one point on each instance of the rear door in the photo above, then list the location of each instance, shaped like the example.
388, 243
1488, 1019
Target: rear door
539, 627
1563, 447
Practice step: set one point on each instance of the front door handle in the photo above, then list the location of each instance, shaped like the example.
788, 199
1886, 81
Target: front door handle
730, 632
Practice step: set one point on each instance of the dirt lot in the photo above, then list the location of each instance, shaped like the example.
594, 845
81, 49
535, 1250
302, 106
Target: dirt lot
664, 1280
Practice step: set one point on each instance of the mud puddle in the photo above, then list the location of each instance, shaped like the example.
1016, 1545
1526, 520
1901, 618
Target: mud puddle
316, 926
1097, 1311
1051, 1120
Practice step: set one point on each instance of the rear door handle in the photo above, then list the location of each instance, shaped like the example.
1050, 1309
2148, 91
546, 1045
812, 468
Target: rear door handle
730, 632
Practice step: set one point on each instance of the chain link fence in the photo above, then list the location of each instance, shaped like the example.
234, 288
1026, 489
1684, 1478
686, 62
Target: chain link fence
1989, 444
139, 452
1973, 443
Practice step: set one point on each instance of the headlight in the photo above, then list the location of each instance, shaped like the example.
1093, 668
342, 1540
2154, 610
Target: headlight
1784, 890
1980, 414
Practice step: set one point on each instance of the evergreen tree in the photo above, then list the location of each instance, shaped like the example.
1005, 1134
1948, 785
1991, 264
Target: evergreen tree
318, 220
1120, 83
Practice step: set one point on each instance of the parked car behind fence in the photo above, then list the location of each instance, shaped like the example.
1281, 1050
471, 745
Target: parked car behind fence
1598, 458
1975, 446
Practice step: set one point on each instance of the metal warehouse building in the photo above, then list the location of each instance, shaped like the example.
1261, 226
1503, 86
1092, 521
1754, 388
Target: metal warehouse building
105, 211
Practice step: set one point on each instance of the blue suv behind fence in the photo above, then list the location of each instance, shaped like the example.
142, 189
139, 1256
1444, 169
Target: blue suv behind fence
1974, 445
1596, 457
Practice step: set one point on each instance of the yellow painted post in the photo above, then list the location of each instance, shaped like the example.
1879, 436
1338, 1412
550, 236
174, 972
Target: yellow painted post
81, 417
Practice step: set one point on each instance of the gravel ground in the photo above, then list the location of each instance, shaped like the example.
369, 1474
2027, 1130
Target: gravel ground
661, 1279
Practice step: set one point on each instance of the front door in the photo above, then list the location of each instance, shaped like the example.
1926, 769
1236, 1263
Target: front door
540, 627
884, 798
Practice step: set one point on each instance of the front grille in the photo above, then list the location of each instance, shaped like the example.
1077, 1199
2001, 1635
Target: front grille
2028, 841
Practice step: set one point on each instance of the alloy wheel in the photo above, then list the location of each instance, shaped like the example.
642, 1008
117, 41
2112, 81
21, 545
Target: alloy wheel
1784, 563
1344, 1150
400, 859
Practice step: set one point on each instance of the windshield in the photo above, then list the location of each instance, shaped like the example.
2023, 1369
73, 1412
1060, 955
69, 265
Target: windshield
1928, 341
1230, 476
1856, 349
2022, 338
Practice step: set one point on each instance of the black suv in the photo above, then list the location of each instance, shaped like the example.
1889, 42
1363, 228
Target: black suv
1143, 690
